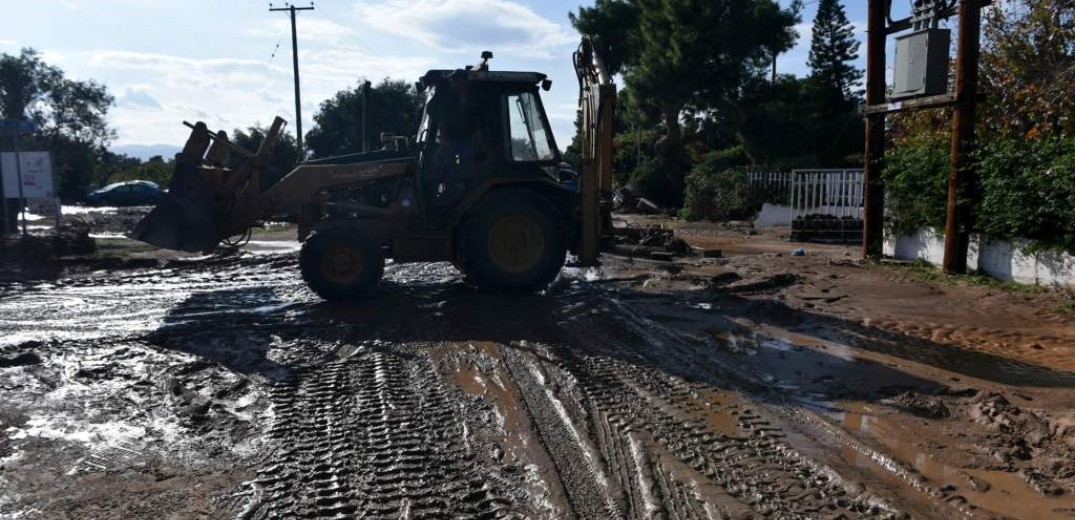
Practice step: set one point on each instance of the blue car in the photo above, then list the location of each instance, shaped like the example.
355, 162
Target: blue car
130, 193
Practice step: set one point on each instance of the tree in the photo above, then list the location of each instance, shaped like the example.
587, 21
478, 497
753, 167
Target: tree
838, 131
782, 25
834, 49
154, 169
1028, 68
613, 26
394, 107
70, 115
34, 91
697, 54
281, 158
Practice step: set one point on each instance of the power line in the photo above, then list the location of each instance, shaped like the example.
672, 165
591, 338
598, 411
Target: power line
276, 48
295, 58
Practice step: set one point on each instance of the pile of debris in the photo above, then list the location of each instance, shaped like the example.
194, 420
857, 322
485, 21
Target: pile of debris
625, 201
72, 238
655, 242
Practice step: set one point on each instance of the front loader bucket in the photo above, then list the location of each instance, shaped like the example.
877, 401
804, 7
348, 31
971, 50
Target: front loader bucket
183, 219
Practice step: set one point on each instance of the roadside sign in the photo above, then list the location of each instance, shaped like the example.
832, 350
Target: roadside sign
36, 170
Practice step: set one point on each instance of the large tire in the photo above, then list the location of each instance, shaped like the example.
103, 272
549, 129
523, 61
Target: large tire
341, 263
513, 240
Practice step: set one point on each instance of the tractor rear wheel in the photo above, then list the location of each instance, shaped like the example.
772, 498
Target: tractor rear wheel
341, 263
513, 240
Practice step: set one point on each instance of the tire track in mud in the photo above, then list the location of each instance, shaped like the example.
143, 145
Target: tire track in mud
655, 433
372, 436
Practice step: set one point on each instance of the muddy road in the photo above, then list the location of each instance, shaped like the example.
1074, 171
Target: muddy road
222, 388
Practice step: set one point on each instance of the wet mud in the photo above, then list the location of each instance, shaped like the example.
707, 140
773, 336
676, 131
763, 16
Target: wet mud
222, 388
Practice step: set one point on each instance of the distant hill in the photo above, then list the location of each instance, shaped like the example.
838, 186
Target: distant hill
145, 151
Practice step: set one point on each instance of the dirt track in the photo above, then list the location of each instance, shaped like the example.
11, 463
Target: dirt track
707, 389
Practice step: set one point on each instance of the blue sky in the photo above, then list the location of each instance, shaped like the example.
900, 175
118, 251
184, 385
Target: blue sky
172, 60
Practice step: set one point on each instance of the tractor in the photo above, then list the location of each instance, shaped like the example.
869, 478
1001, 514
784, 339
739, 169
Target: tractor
479, 185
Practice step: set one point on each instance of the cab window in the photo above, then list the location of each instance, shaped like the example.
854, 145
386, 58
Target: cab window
527, 130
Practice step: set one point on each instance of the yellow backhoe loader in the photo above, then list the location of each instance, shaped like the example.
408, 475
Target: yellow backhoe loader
480, 186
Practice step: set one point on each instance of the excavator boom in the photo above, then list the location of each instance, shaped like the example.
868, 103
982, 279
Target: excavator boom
597, 102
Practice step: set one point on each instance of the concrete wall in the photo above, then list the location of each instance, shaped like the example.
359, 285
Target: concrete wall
997, 258
773, 215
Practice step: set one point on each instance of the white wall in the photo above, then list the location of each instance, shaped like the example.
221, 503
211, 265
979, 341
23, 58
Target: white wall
773, 215
997, 258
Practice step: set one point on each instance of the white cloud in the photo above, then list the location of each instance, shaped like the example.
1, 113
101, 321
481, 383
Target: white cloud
310, 30
70, 6
468, 25
137, 97
230, 93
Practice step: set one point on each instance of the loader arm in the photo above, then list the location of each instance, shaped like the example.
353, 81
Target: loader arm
597, 101
207, 201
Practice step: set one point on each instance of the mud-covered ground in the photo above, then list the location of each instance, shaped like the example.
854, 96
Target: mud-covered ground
758, 385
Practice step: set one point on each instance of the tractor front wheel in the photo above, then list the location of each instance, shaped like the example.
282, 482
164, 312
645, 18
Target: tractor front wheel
341, 263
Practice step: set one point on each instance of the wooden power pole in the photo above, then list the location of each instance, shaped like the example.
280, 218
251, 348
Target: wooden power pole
962, 181
874, 211
295, 60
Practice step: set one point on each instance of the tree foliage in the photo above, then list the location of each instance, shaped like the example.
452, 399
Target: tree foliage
613, 26
394, 106
282, 158
1028, 68
34, 91
155, 169
834, 49
686, 57
70, 116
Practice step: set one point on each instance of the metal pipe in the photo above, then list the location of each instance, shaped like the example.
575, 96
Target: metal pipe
18, 175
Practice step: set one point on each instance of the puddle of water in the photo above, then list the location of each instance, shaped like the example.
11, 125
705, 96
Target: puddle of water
82, 210
106, 235
1008, 494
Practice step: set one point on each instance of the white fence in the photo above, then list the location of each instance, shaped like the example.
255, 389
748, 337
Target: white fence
772, 184
836, 193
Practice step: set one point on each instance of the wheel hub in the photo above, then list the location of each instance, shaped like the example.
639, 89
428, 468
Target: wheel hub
341, 264
516, 243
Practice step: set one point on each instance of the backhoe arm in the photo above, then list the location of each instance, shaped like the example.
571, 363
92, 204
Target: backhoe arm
597, 101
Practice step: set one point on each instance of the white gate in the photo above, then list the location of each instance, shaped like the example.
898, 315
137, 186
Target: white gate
832, 193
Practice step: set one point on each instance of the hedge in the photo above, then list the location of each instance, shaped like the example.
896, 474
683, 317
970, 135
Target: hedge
1027, 189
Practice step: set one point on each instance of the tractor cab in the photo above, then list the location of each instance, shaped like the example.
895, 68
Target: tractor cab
481, 126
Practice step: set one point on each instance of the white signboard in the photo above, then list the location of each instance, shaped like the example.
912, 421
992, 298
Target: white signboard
36, 175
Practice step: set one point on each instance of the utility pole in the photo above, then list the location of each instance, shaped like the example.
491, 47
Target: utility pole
962, 183
365, 117
295, 59
874, 210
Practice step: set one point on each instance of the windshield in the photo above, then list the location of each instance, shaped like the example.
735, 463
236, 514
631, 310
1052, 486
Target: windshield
423, 127
529, 132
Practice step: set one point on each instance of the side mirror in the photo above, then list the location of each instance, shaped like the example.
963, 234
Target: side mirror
546, 84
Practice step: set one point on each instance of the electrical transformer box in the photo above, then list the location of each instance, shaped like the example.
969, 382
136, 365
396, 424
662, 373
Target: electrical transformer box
922, 64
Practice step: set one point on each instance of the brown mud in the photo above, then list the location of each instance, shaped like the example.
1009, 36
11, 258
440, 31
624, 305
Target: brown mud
755, 386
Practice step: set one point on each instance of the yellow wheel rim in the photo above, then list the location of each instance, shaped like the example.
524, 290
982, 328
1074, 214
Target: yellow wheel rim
341, 264
516, 243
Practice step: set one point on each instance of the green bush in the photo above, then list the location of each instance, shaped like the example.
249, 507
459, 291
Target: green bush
916, 184
718, 188
1028, 191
